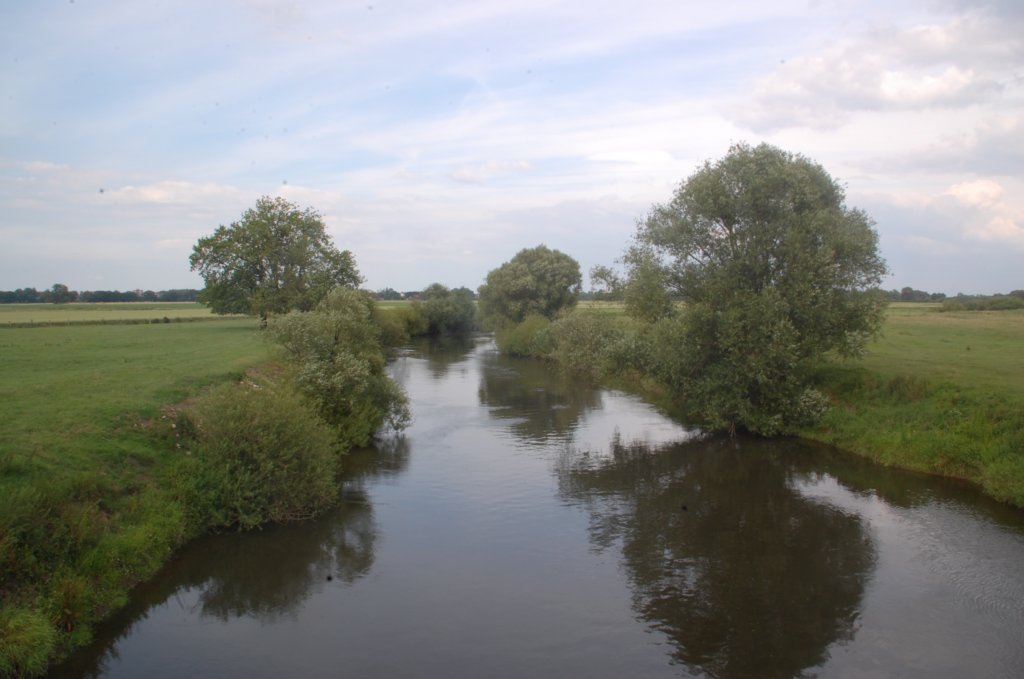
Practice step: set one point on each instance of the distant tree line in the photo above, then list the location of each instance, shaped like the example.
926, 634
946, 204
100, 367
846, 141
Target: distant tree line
390, 294
60, 294
909, 294
961, 302
1014, 300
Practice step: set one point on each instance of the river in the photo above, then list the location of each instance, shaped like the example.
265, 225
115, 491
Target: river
526, 525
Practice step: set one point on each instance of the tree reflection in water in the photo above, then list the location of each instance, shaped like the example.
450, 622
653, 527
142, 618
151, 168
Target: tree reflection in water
540, 405
744, 575
264, 574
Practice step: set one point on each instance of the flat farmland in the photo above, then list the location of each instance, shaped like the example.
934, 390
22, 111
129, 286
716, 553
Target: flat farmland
113, 312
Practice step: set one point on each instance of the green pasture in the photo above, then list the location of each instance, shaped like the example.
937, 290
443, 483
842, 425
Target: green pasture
972, 349
22, 314
69, 393
86, 454
938, 392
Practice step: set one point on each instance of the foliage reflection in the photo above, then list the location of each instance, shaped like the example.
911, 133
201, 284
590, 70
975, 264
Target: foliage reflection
540, 405
264, 574
744, 575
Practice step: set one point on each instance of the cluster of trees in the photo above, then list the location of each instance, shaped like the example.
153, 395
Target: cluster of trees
772, 269
734, 290
961, 302
60, 294
272, 451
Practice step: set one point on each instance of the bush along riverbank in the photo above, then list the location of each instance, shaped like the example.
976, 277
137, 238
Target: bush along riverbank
85, 518
967, 424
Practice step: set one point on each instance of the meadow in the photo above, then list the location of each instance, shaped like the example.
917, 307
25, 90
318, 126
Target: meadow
86, 454
113, 312
938, 392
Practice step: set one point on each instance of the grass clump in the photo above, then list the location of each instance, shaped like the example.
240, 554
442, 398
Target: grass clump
26, 641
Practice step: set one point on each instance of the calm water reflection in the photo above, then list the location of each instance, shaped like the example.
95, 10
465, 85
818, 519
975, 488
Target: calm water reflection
527, 525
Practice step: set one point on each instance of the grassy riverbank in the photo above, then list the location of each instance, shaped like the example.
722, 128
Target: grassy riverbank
84, 510
939, 392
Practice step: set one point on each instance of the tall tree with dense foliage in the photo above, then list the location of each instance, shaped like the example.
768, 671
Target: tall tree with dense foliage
536, 281
278, 257
775, 271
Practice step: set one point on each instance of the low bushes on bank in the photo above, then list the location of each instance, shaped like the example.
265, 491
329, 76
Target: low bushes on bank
256, 454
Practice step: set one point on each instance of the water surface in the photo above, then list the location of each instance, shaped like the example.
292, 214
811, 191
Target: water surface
528, 525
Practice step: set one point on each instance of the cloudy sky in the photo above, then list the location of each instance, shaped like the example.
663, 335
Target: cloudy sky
439, 138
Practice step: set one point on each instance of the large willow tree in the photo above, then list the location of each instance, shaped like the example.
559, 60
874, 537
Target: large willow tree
278, 257
537, 280
775, 271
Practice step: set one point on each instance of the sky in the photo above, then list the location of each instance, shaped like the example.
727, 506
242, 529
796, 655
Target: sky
437, 139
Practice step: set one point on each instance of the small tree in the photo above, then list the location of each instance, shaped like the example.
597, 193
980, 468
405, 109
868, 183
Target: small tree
447, 311
59, 294
536, 281
278, 257
775, 271
340, 364
605, 283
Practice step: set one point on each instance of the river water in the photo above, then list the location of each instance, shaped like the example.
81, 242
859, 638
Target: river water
530, 526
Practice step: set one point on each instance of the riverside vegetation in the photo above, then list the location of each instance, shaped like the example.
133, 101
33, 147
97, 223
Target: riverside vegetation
936, 392
124, 440
746, 297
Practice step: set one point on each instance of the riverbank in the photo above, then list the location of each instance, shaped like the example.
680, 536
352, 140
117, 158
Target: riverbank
115, 451
939, 392
85, 511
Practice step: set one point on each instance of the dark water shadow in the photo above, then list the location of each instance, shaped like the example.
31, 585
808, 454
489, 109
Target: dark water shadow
265, 574
744, 575
441, 353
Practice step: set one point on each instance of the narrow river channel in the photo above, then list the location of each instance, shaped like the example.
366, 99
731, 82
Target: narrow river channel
530, 526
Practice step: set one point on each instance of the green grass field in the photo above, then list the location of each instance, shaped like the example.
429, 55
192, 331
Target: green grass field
22, 314
66, 391
86, 510
976, 349
941, 393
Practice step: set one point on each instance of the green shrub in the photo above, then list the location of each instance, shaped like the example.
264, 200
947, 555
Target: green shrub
260, 455
339, 364
588, 343
398, 324
447, 311
527, 338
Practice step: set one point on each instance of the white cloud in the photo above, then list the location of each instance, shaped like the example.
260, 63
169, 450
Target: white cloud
980, 192
964, 62
1005, 229
172, 192
475, 174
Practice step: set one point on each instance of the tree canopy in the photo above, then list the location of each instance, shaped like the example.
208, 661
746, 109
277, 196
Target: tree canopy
775, 270
278, 257
536, 281
447, 311
339, 362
